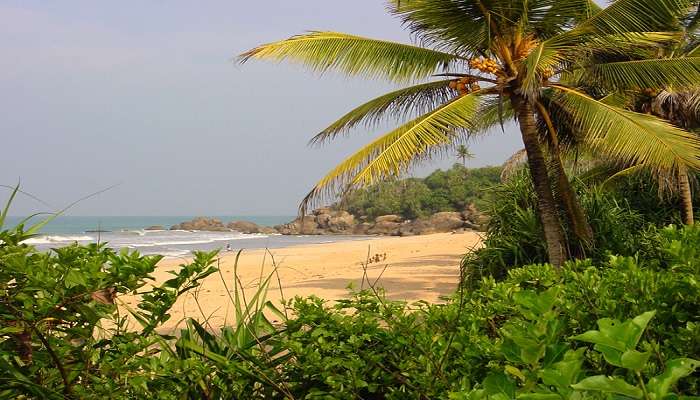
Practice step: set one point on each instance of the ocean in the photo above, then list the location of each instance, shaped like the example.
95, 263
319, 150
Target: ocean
128, 232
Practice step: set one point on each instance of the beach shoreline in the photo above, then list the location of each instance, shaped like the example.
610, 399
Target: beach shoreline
411, 268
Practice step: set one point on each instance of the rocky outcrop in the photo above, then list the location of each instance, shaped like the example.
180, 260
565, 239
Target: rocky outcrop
446, 221
155, 228
201, 224
388, 218
249, 227
327, 221
307, 226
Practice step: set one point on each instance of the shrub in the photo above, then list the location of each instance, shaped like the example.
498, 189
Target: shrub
623, 223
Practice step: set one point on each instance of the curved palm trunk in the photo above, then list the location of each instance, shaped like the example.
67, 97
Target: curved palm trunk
576, 217
686, 198
553, 232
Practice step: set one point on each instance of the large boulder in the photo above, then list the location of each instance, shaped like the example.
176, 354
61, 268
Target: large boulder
446, 221
249, 227
296, 227
201, 224
385, 228
473, 218
155, 228
362, 228
388, 218
339, 222
323, 220
322, 210
419, 227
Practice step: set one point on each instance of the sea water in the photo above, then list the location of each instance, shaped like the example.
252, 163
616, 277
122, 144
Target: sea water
129, 232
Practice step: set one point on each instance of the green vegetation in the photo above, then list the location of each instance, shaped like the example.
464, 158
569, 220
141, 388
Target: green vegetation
625, 218
450, 190
539, 332
619, 322
537, 61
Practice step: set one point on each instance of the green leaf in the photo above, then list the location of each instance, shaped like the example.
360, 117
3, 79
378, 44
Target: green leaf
675, 370
538, 396
74, 278
563, 373
355, 55
634, 360
499, 384
601, 383
629, 137
641, 74
400, 103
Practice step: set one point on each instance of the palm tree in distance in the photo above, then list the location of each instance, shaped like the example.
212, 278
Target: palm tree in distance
463, 154
485, 61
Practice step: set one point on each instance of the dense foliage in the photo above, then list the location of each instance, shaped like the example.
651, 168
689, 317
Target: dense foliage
450, 190
526, 335
624, 218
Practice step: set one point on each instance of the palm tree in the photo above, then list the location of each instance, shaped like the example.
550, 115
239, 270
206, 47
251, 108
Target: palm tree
463, 153
495, 60
676, 102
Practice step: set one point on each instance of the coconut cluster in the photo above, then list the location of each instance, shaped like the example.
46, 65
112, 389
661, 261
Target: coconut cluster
485, 65
548, 73
465, 85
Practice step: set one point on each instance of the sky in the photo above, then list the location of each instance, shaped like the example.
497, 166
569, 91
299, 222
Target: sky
146, 95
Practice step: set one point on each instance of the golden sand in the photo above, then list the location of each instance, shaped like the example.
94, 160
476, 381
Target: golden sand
408, 268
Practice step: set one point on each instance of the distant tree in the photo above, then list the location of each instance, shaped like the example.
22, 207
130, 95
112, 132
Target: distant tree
463, 154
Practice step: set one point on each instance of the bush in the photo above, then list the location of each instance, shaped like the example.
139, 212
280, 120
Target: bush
528, 334
367, 347
624, 222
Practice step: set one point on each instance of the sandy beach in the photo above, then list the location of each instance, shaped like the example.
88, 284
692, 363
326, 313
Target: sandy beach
408, 268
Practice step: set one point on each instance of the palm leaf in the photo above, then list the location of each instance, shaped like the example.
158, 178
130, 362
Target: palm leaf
393, 153
399, 104
652, 73
628, 16
628, 137
625, 16
455, 25
355, 55
559, 56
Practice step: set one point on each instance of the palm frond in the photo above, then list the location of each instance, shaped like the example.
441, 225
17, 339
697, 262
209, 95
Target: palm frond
458, 26
624, 16
513, 164
650, 73
549, 18
393, 153
628, 16
355, 55
628, 137
493, 111
416, 99
541, 58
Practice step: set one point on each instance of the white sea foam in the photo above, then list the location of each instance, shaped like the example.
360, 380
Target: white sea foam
179, 240
58, 239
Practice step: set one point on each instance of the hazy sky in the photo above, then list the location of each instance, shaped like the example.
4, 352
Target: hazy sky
146, 94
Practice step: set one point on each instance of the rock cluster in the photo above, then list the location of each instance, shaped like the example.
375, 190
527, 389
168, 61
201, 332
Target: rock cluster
249, 227
326, 221
201, 224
